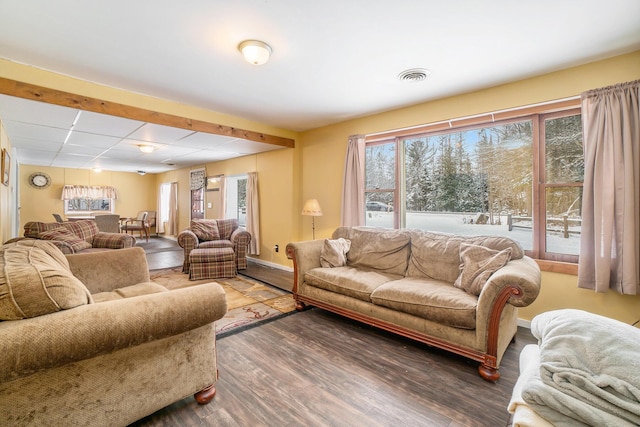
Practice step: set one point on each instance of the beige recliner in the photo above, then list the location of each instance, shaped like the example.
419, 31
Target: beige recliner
87, 339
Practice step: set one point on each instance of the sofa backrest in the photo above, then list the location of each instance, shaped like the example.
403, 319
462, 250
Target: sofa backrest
437, 255
84, 229
381, 249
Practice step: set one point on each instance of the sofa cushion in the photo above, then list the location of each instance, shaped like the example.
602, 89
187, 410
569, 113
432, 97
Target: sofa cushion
36, 280
32, 229
144, 288
226, 227
353, 282
61, 234
437, 255
334, 252
205, 230
215, 244
477, 264
380, 249
85, 229
433, 300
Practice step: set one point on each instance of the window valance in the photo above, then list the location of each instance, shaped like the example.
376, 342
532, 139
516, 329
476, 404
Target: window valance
198, 179
70, 192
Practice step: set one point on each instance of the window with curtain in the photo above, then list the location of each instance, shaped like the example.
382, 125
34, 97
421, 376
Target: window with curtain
236, 198
86, 200
519, 177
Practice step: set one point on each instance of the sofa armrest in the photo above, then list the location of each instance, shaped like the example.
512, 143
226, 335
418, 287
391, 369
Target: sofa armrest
305, 256
113, 240
522, 273
67, 336
188, 240
117, 269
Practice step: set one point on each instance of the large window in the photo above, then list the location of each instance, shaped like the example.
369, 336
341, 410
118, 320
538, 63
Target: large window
520, 178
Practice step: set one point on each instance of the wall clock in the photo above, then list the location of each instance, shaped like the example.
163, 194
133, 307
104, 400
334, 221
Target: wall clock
39, 180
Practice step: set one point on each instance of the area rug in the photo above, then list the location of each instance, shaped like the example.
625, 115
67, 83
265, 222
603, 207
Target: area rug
249, 302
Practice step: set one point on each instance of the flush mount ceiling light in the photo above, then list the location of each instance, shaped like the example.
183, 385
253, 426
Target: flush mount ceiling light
255, 52
146, 148
142, 173
414, 75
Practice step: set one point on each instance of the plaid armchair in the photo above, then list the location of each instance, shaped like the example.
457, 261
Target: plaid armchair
73, 237
215, 233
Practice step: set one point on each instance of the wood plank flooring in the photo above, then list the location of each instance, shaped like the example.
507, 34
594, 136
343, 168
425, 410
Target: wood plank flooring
316, 368
319, 369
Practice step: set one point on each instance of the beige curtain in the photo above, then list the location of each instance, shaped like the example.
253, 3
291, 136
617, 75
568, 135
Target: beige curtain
172, 219
353, 187
70, 192
609, 243
223, 197
253, 213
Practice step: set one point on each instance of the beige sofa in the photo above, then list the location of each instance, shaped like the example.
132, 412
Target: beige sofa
411, 282
87, 339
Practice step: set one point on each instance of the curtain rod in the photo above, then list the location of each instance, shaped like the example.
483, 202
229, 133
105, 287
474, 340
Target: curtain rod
457, 119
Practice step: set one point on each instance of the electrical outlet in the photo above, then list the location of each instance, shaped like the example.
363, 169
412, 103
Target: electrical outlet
276, 248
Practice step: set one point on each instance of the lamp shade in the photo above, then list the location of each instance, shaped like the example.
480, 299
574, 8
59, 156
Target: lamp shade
312, 208
255, 52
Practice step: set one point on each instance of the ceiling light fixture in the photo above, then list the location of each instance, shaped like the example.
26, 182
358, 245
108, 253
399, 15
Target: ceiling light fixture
255, 52
146, 148
141, 173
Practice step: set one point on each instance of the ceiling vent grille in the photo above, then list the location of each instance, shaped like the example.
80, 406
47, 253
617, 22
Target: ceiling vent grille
414, 75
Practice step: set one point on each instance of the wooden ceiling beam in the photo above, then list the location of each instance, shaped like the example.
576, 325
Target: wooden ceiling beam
67, 99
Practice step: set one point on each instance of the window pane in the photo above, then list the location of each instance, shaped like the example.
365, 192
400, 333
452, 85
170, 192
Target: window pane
471, 182
379, 209
380, 166
563, 146
564, 220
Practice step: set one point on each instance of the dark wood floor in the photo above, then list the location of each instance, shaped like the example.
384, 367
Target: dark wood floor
319, 369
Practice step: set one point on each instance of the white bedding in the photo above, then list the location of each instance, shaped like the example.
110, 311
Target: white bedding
589, 371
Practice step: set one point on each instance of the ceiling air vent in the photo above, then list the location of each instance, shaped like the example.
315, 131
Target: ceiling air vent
414, 75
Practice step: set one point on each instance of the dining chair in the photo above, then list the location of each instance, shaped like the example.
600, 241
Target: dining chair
139, 224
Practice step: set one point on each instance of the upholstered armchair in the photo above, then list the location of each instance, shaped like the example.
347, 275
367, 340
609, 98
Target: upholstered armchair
215, 233
87, 339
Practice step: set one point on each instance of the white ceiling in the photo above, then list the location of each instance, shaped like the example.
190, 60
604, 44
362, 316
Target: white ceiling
332, 60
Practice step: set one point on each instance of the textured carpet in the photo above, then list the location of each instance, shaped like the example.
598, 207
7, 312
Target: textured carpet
249, 302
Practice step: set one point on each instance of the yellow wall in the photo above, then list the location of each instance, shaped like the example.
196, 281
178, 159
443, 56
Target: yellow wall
314, 168
324, 149
135, 192
7, 210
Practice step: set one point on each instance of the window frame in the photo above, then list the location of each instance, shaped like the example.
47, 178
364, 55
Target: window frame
538, 114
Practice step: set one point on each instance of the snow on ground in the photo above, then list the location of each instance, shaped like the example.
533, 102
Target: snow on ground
460, 224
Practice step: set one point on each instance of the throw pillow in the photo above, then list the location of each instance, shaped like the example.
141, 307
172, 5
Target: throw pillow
477, 264
64, 235
205, 230
334, 252
35, 280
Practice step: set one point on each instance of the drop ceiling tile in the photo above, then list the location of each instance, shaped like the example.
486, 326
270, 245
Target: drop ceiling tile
103, 124
31, 131
84, 139
205, 141
157, 133
27, 111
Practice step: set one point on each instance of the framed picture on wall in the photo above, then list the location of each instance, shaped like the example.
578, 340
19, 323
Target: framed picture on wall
6, 166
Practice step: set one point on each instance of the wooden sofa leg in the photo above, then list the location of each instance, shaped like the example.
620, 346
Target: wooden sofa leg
488, 373
205, 395
300, 306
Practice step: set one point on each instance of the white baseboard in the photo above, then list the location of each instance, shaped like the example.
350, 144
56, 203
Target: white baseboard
524, 323
270, 264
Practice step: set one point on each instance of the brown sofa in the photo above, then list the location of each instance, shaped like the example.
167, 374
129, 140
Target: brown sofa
215, 233
411, 282
73, 237
87, 339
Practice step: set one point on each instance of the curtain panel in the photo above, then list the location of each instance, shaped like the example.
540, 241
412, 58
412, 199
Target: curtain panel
353, 186
253, 213
70, 192
609, 243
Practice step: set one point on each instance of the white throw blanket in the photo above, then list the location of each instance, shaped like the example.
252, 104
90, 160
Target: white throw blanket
589, 370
